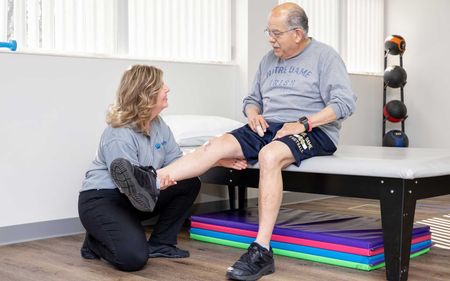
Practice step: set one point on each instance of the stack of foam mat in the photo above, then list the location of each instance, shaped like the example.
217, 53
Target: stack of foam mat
343, 240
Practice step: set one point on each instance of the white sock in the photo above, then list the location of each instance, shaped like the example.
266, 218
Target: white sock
267, 247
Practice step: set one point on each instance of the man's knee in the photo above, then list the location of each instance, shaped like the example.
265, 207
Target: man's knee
275, 155
225, 142
269, 158
128, 259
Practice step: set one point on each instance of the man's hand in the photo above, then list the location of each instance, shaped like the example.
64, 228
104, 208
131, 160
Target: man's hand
256, 121
166, 181
237, 164
293, 128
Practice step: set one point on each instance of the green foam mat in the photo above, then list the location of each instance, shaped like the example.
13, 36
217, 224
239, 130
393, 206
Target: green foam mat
292, 254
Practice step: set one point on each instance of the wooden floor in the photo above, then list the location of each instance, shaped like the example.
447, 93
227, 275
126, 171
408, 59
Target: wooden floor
59, 259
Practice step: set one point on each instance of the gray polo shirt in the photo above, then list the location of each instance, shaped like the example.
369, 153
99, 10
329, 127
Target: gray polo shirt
285, 90
157, 150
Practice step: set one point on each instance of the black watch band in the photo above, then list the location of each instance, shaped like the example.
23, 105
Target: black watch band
304, 121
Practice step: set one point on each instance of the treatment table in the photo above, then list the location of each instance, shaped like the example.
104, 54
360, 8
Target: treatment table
398, 177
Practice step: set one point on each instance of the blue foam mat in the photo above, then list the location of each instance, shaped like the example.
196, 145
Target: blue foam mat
373, 260
355, 231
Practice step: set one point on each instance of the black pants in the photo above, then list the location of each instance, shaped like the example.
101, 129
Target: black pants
114, 229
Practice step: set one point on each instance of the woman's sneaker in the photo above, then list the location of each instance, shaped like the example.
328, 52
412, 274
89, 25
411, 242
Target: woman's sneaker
136, 182
257, 262
166, 251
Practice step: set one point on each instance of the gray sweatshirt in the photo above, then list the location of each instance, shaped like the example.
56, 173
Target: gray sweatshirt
285, 90
157, 150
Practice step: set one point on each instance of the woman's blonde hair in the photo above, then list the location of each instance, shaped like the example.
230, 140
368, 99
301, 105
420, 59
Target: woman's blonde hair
136, 97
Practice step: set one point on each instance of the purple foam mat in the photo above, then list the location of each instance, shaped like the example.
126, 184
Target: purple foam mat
356, 231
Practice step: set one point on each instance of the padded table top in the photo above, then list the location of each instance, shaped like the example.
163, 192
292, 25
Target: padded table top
392, 162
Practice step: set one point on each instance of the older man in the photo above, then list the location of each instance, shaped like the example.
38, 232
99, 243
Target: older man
300, 95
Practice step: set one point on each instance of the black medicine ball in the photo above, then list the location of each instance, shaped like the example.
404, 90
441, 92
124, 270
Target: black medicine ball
395, 111
395, 44
395, 76
395, 138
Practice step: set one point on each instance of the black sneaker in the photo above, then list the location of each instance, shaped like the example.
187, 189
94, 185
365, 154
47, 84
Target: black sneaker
166, 251
257, 262
137, 183
86, 252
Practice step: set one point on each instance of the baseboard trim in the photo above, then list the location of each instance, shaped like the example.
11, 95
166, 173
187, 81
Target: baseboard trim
39, 230
71, 226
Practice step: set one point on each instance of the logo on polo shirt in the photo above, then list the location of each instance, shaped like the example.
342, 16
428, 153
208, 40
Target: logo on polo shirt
159, 145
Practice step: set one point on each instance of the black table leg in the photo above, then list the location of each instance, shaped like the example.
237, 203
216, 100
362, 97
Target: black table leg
232, 196
398, 205
242, 197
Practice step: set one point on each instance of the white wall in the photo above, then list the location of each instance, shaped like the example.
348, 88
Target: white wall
53, 111
251, 42
365, 125
257, 39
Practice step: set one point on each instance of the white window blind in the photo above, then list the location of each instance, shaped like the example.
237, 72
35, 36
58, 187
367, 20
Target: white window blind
365, 35
3, 20
355, 28
324, 20
33, 30
67, 26
192, 30
19, 20
180, 29
86, 26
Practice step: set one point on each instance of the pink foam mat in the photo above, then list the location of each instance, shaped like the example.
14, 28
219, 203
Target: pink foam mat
304, 242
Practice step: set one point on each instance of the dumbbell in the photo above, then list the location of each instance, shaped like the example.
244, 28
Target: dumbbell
12, 45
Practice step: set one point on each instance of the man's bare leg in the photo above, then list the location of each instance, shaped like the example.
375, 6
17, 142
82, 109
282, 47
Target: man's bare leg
203, 158
272, 159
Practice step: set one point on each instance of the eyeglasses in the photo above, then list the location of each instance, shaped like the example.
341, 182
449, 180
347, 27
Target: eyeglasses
277, 33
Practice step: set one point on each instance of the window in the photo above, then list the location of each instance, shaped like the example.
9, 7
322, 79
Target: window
185, 29
68, 26
354, 28
189, 30
3, 20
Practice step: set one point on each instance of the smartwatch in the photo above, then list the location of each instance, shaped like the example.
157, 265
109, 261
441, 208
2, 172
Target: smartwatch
305, 122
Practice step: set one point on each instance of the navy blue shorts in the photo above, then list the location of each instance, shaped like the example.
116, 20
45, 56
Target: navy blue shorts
302, 146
